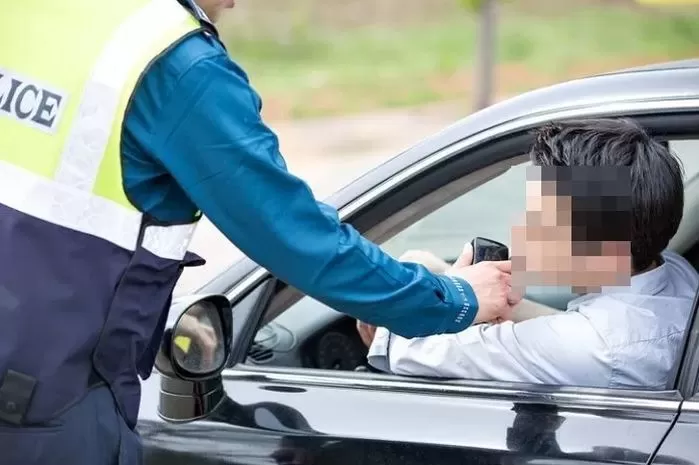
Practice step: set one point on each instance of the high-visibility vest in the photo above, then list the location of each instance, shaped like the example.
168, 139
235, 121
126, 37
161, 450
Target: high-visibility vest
85, 277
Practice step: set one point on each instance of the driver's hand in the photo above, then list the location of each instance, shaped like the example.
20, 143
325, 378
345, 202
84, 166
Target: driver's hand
426, 259
492, 284
366, 332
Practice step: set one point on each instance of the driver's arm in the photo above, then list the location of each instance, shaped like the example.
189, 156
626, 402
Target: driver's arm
527, 309
542, 350
196, 117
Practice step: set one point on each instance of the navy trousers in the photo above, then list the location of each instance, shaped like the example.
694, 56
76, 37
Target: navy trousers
92, 432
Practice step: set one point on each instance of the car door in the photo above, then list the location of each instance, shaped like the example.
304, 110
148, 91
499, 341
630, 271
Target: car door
679, 447
287, 412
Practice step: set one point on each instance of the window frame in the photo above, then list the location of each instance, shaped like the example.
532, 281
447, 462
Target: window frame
687, 375
663, 119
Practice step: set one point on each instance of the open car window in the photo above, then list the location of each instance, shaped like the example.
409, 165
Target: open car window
308, 334
487, 211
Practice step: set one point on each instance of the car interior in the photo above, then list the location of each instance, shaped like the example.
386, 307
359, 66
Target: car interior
299, 332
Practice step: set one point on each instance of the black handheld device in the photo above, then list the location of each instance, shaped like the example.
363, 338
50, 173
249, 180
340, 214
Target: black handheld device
486, 250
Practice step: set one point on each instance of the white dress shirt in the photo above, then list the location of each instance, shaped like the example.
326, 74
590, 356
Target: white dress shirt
623, 337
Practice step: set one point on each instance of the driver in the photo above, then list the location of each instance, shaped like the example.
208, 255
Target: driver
602, 204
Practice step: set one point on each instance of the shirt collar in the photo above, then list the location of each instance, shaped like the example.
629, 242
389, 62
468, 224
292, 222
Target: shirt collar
648, 283
198, 11
200, 14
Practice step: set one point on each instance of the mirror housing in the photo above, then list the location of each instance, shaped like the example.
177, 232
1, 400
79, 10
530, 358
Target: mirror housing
193, 353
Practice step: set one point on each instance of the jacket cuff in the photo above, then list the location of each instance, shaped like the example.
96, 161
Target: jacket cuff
463, 299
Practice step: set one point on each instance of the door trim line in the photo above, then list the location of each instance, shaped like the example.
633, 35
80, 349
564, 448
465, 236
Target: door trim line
590, 398
691, 405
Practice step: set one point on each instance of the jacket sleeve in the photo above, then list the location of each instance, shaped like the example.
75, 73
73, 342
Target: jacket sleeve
212, 140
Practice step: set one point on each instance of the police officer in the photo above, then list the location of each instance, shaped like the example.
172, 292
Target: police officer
119, 122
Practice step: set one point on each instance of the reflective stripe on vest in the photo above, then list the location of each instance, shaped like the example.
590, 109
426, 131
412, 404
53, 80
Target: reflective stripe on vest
69, 199
88, 277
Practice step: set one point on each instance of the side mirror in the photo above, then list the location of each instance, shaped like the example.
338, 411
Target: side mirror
200, 341
192, 355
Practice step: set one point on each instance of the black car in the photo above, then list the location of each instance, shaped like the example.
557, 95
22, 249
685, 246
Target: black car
293, 390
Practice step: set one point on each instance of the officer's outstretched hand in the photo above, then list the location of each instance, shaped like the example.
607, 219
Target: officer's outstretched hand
492, 284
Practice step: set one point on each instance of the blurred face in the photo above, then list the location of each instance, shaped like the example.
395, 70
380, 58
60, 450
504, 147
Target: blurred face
543, 252
214, 8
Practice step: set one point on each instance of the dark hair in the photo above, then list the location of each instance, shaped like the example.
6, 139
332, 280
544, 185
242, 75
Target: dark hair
643, 191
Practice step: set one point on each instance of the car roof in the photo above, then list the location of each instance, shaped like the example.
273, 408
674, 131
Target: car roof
670, 80
680, 64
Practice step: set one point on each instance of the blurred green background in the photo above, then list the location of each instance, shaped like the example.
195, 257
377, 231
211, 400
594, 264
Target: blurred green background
329, 57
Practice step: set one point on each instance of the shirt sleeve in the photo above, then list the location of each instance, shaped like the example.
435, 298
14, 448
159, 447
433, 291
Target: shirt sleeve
558, 350
211, 139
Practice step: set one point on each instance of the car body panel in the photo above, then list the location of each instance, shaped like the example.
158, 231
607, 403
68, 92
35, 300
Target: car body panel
681, 447
404, 421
